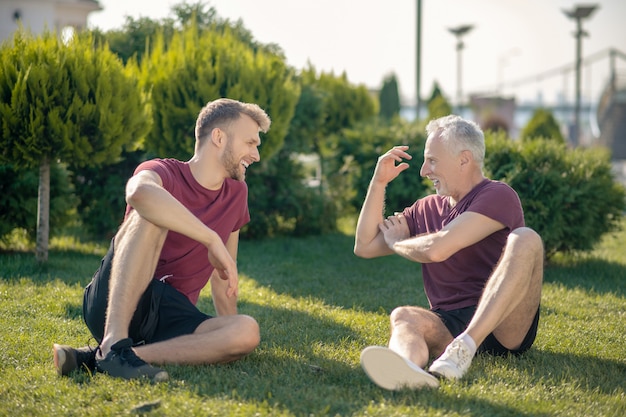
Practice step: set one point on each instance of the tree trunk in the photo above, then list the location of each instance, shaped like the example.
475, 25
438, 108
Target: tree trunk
43, 211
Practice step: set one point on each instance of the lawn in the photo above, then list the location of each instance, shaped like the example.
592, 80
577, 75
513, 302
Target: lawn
318, 306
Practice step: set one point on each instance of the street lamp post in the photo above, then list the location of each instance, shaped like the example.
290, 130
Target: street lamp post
418, 60
459, 31
579, 13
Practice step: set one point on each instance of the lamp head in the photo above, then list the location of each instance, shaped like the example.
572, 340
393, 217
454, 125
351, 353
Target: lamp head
581, 12
461, 30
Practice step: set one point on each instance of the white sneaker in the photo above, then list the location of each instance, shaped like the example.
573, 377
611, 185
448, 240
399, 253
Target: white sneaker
454, 362
389, 370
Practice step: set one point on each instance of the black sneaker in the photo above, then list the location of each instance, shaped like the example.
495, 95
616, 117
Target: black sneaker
68, 359
122, 362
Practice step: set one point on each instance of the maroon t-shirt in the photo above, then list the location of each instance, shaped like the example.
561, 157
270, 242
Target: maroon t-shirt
458, 281
183, 262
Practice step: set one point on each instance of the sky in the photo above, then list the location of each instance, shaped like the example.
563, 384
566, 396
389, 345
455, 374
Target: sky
516, 47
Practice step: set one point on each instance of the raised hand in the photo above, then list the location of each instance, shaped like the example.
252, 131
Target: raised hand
386, 168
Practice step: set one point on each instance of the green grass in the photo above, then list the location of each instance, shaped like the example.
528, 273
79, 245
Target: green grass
318, 307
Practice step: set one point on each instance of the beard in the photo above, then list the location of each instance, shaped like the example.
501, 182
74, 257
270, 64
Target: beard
231, 164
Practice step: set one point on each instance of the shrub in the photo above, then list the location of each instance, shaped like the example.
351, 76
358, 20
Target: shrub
389, 98
357, 152
196, 67
437, 104
101, 194
542, 124
569, 196
281, 204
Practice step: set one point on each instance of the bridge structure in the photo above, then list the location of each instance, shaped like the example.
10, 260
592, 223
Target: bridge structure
603, 118
611, 111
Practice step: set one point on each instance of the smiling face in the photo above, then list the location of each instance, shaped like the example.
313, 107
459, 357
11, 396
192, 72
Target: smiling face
441, 166
242, 147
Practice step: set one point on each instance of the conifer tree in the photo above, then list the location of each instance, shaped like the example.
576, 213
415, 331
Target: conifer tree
71, 102
542, 124
199, 66
389, 98
437, 104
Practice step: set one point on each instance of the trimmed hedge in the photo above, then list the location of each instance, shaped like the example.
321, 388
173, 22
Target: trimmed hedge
570, 196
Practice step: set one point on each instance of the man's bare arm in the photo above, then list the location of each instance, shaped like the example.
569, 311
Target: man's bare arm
465, 230
369, 241
145, 193
225, 305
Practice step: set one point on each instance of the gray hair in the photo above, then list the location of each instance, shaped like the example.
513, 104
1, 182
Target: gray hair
459, 135
221, 112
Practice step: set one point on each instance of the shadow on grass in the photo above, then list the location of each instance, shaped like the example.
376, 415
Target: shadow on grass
296, 380
588, 273
325, 268
291, 372
589, 372
300, 374
294, 371
336, 388
333, 389
71, 267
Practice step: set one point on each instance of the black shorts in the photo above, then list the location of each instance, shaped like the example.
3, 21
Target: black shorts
457, 320
162, 312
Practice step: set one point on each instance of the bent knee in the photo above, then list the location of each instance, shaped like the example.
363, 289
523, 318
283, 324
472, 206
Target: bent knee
138, 229
398, 314
405, 314
527, 236
249, 335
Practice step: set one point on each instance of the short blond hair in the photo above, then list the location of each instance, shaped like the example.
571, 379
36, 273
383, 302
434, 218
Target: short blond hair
221, 112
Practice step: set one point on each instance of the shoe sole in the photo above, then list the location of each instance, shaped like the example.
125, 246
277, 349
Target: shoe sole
390, 371
159, 376
61, 360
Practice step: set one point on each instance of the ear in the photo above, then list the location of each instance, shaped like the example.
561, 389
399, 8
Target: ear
217, 137
465, 157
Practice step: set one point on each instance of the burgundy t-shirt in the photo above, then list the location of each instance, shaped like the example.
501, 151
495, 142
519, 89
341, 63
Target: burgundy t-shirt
458, 281
183, 262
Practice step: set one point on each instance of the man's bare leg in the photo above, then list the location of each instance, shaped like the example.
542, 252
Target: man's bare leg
138, 244
414, 331
220, 339
216, 340
512, 295
417, 334
507, 307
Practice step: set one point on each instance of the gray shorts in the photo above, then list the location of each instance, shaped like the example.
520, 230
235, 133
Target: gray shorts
162, 312
457, 320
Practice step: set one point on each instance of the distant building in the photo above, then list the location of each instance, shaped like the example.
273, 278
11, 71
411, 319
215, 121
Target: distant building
37, 15
494, 113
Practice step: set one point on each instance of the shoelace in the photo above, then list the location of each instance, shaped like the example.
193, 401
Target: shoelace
457, 351
84, 356
128, 355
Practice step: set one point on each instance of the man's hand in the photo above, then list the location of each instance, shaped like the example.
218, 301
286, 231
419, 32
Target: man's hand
386, 168
224, 265
394, 229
